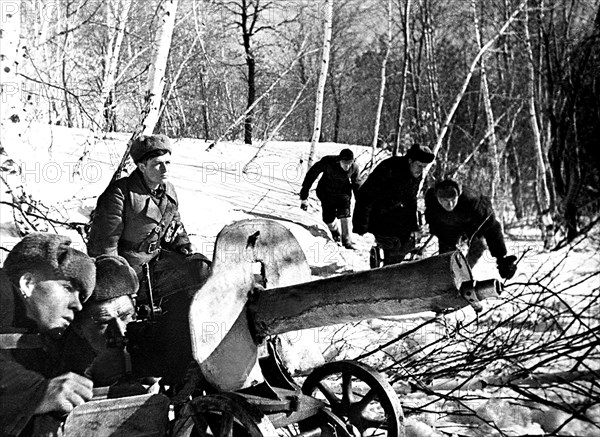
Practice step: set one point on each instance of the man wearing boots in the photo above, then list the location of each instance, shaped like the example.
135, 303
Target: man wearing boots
386, 204
340, 177
453, 215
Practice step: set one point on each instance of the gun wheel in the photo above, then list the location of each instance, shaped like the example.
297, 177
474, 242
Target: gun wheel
358, 395
224, 414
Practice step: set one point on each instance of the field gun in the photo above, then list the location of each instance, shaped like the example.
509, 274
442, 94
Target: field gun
260, 286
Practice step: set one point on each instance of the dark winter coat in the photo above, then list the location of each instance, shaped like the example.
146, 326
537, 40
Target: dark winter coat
335, 181
25, 367
133, 223
473, 216
386, 203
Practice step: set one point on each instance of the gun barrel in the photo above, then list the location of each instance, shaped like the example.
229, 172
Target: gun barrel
229, 316
433, 284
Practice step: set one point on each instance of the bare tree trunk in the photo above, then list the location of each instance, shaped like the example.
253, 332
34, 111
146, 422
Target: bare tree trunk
431, 69
10, 93
173, 84
258, 100
322, 79
543, 192
487, 103
277, 127
156, 78
247, 31
407, 37
63, 71
383, 78
459, 96
337, 106
116, 17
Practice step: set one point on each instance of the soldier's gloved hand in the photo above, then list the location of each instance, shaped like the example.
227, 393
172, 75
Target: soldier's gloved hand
186, 248
304, 205
507, 266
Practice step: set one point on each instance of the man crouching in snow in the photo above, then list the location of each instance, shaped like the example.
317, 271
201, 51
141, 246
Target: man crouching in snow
453, 215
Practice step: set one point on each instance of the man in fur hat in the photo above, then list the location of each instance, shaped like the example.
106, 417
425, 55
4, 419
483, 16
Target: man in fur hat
95, 341
137, 217
386, 204
454, 215
340, 177
43, 283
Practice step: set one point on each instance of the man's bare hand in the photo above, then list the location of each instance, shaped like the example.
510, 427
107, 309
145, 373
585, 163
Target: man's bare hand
64, 393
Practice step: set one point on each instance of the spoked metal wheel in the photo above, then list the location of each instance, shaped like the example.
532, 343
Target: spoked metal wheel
359, 396
222, 415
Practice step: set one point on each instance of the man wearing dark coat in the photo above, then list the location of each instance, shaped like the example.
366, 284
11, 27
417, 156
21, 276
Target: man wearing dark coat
453, 215
386, 204
340, 177
137, 217
43, 283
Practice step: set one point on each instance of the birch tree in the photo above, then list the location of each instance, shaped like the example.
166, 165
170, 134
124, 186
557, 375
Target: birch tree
431, 68
405, 68
457, 99
487, 103
327, 21
384, 62
10, 36
117, 12
543, 192
156, 78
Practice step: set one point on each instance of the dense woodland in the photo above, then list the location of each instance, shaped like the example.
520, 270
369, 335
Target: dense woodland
506, 91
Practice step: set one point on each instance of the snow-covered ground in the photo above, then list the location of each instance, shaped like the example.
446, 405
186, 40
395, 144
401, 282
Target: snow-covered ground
218, 187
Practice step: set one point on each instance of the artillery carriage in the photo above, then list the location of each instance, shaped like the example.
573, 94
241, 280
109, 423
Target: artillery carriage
260, 286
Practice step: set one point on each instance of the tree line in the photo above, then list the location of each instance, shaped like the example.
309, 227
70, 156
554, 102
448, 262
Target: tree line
505, 91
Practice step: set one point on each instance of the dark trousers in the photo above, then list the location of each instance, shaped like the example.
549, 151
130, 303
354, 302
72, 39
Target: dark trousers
395, 249
166, 351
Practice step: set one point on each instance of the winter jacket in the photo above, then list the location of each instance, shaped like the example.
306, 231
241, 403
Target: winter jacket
132, 222
473, 217
386, 203
25, 366
335, 181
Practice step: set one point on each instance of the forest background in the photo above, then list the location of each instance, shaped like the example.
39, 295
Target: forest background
506, 92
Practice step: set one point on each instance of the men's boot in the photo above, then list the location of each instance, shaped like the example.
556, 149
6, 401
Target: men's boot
335, 231
346, 234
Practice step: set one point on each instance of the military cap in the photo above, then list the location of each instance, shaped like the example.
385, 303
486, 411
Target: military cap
114, 278
346, 155
145, 144
420, 153
51, 254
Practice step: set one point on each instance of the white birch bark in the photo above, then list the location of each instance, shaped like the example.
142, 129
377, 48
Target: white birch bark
460, 94
487, 103
156, 78
116, 28
10, 91
382, 82
401, 103
543, 191
327, 22
158, 67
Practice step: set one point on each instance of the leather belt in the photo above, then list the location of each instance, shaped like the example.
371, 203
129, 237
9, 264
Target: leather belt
144, 246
